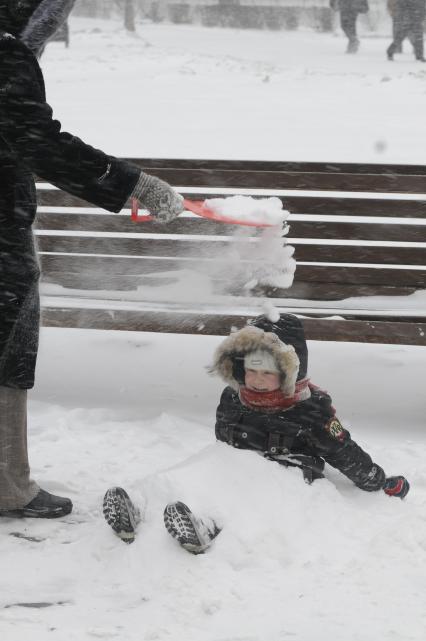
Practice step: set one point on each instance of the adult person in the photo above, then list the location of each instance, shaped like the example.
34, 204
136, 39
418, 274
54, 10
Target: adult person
349, 10
408, 18
32, 143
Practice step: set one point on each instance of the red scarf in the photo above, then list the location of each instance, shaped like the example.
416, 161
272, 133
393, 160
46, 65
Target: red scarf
276, 400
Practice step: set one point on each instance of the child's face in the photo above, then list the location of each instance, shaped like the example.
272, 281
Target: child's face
261, 380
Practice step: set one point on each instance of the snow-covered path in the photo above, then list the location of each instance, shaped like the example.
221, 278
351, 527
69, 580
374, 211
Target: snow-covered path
293, 561
187, 91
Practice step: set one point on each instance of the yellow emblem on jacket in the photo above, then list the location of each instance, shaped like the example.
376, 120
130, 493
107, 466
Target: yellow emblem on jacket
335, 429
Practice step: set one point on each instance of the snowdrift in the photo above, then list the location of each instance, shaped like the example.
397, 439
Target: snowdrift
293, 561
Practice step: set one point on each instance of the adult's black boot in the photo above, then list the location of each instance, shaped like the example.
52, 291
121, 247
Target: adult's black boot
43, 506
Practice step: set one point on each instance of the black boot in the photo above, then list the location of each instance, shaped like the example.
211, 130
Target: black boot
121, 514
43, 506
195, 535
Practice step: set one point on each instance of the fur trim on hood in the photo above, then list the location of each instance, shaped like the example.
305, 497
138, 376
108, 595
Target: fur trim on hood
249, 339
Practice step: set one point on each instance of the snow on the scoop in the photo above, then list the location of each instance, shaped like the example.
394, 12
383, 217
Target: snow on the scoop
248, 209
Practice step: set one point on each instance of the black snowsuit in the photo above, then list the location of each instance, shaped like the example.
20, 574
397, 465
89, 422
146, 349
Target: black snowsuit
309, 429
308, 432
31, 143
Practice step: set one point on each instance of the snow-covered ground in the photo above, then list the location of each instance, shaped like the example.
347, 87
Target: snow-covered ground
187, 91
292, 562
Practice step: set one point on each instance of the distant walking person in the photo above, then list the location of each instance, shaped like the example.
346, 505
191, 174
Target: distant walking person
408, 17
349, 10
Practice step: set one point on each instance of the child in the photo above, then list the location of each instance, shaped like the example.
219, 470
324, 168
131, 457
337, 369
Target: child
270, 406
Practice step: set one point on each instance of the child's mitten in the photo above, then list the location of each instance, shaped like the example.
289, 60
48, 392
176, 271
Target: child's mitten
396, 486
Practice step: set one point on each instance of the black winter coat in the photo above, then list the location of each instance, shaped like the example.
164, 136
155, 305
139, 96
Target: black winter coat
31, 143
309, 428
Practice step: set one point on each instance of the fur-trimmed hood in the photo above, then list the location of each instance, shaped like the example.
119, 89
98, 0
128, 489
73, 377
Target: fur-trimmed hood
228, 360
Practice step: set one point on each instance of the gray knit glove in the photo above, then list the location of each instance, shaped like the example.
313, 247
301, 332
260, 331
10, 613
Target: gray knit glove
155, 195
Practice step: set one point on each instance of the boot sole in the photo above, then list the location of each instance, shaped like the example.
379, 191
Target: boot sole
121, 514
181, 525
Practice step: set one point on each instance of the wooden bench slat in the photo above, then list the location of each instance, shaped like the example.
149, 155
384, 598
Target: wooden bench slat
329, 291
298, 229
312, 205
301, 167
299, 290
367, 331
107, 266
361, 254
124, 224
195, 248
290, 180
133, 246
287, 175
328, 206
279, 165
357, 231
361, 275
90, 265
100, 281
325, 205
372, 331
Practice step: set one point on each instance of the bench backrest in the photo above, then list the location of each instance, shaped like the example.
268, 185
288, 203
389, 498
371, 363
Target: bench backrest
358, 230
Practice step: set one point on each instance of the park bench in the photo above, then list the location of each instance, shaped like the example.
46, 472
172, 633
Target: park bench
359, 233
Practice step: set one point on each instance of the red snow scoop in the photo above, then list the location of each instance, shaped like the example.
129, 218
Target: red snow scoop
198, 207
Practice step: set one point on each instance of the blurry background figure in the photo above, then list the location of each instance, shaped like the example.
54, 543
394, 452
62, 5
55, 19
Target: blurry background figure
349, 10
391, 9
407, 17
